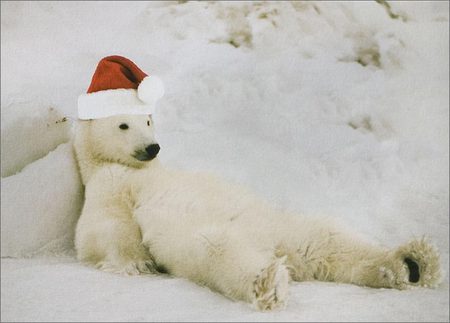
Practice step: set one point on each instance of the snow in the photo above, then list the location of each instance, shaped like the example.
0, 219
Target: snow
30, 223
323, 108
66, 291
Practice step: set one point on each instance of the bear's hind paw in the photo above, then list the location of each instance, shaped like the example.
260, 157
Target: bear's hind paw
271, 287
422, 261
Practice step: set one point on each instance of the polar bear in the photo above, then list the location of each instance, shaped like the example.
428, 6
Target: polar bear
142, 217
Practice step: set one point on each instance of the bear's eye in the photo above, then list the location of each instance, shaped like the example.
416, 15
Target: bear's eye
123, 126
148, 123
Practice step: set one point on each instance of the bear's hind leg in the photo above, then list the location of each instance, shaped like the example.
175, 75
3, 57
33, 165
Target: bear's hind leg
228, 263
413, 264
271, 286
421, 261
251, 275
341, 258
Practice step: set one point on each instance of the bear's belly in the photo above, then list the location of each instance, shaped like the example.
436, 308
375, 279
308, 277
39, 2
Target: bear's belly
179, 199
186, 214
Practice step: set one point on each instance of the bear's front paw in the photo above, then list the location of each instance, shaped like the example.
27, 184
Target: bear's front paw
129, 268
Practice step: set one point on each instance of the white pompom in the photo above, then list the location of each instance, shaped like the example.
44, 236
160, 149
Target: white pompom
151, 89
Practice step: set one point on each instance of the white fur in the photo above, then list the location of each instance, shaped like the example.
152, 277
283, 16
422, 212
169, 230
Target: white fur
141, 216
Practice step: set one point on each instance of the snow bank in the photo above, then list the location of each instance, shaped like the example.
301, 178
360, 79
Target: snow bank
40, 206
29, 136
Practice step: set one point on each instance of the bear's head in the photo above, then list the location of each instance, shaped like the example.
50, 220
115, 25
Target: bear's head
124, 139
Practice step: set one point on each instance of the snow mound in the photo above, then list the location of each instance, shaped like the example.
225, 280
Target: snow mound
41, 205
29, 131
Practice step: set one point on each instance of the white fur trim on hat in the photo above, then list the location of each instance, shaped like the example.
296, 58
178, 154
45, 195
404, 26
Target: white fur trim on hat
151, 89
107, 103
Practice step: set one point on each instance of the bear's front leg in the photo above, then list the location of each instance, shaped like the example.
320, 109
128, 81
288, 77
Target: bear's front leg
111, 240
125, 252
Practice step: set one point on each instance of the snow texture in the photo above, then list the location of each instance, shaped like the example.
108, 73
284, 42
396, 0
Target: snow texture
323, 108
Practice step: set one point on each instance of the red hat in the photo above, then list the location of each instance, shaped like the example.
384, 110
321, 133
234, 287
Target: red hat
119, 87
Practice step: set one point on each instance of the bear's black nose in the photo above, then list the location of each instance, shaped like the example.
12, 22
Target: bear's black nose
152, 150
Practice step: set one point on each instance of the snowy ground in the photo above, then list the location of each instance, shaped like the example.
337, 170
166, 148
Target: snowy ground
324, 108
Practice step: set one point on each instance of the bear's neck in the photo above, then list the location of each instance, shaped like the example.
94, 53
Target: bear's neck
87, 163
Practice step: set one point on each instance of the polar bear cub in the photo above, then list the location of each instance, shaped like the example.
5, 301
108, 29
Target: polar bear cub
141, 217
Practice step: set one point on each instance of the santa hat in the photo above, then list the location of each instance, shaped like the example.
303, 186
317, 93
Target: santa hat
119, 87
